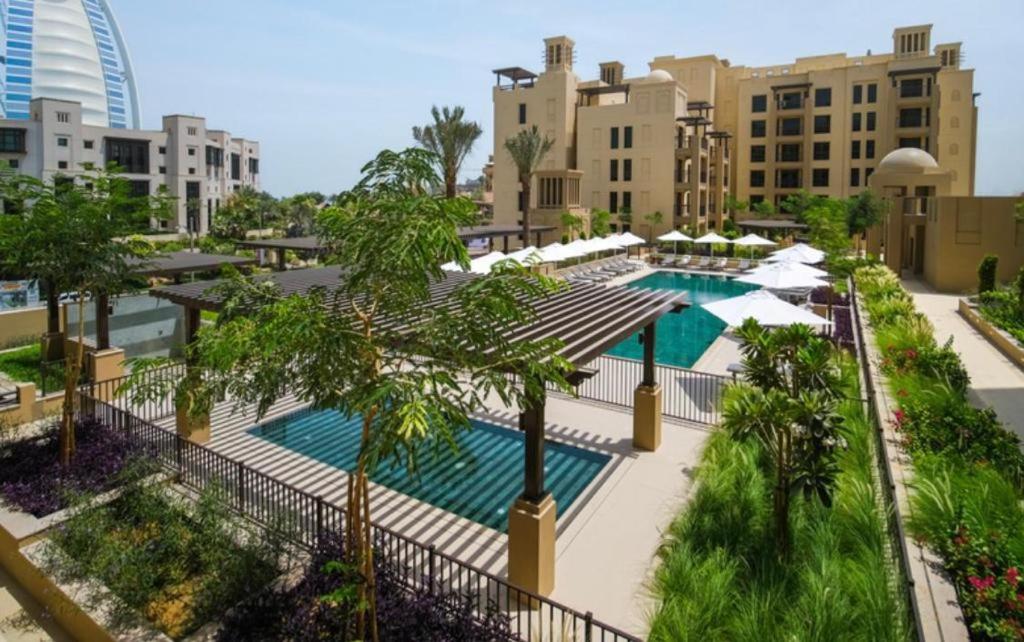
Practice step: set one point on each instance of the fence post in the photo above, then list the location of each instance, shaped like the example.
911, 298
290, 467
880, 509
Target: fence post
179, 456
319, 520
431, 550
588, 627
240, 468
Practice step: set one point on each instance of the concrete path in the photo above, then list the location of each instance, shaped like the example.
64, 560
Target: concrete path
995, 380
21, 617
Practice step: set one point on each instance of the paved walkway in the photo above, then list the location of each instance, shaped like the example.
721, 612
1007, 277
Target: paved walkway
995, 380
21, 617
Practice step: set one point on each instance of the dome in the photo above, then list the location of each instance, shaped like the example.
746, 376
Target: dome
659, 75
907, 159
68, 50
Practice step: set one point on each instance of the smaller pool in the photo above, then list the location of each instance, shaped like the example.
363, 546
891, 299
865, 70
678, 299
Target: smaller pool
480, 482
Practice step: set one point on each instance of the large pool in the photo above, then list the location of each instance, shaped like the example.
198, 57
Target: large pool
480, 482
682, 338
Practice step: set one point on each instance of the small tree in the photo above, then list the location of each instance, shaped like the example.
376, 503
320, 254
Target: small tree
733, 204
352, 346
654, 219
299, 212
625, 217
827, 227
76, 236
527, 149
450, 138
797, 204
763, 209
572, 223
864, 211
247, 209
600, 222
987, 273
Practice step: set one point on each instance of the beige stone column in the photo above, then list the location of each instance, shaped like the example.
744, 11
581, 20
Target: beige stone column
195, 429
531, 545
105, 365
647, 418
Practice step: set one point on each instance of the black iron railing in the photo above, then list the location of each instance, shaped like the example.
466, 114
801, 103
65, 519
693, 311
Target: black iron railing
305, 518
897, 533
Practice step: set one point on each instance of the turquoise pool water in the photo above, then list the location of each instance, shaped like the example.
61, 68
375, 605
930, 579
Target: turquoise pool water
480, 482
682, 338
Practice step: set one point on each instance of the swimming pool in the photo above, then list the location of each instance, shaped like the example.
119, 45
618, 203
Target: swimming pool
682, 338
480, 482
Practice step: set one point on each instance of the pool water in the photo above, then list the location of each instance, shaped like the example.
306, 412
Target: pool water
480, 482
682, 338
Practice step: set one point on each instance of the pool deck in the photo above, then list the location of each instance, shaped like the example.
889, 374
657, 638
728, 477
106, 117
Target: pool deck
606, 542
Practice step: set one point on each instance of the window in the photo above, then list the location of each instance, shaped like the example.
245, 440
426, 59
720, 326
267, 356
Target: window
821, 151
191, 170
871, 121
62, 164
192, 131
823, 97
873, 93
522, 113
787, 178
757, 129
757, 153
855, 149
788, 153
791, 100
131, 155
214, 156
162, 170
867, 174
822, 124
911, 117
790, 127
138, 189
161, 150
869, 149
910, 142
757, 178
858, 94
912, 88
254, 166
14, 163
854, 177
191, 151
819, 177
627, 169
62, 141
613, 202
856, 122
627, 201
12, 141
63, 117
759, 103
613, 170
615, 138
236, 167
627, 138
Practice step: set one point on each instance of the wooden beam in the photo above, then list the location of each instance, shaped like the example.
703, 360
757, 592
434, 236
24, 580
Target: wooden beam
193, 319
102, 322
649, 378
531, 422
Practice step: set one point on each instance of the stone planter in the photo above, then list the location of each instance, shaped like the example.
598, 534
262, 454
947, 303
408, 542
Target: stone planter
998, 337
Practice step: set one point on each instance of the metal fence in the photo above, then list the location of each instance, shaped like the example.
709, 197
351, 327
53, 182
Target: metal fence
686, 394
305, 518
897, 532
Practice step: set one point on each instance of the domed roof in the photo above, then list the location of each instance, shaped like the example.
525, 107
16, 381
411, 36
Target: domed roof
907, 159
659, 75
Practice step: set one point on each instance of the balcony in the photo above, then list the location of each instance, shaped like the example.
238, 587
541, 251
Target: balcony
558, 189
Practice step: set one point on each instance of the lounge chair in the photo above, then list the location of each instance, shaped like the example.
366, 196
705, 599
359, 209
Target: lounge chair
720, 264
744, 264
703, 263
684, 261
667, 261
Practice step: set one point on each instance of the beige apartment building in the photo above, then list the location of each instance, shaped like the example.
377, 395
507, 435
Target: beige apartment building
681, 137
200, 167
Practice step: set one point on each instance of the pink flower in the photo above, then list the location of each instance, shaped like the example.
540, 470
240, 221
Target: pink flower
911, 353
982, 584
902, 393
1012, 575
899, 416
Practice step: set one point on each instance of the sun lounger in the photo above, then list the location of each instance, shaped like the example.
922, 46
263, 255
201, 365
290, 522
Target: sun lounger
720, 264
684, 261
744, 264
703, 263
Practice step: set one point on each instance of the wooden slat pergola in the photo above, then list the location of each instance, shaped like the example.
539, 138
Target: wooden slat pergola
586, 319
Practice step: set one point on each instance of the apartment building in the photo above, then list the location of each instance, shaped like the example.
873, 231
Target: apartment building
680, 138
200, 167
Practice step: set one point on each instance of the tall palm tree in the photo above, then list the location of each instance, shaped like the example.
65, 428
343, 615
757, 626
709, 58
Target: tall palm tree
451, 138
527, 149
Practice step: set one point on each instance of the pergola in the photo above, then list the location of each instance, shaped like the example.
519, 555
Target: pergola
770, 224
586, 319
314, 245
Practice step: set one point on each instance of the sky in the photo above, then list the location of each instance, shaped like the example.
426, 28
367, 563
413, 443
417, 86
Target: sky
326, 84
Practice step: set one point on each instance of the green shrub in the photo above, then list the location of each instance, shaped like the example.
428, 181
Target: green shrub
987, 273
1019, 284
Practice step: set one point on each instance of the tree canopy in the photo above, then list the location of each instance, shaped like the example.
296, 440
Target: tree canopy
451, 138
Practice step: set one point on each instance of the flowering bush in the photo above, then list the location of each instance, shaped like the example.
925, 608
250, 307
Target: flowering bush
842, 331
322, 607
32, 479
822, 294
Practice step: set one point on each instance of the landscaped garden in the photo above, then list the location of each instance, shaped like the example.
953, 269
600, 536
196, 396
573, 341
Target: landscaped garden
1004, 306
22, 365
968, 470
784, 537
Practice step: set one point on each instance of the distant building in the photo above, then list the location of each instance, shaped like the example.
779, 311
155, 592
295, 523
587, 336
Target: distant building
201, 167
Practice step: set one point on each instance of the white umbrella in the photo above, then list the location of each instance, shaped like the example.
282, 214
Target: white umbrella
598, 244
525, 256
483, 264
628, 239
800, 252
555, 252
752, 241
791, 265
674, 236
710, 239
786, 277
765, 308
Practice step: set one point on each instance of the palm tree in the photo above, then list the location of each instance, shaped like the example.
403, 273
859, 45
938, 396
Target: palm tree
527, 149
451, 139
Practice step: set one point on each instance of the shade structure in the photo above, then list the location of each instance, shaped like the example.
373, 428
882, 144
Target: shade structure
752, 241
555, 252
765, 308
628, 238
800, 252
788, 276
598, 244
710, 239
794, 266
674, 236
526, 256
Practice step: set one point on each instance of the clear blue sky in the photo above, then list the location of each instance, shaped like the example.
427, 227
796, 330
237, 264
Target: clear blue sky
326, 84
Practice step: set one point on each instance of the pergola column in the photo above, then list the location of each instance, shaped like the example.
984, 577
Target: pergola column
531, 520
106, 362
195, 429
647, 399
53, 339
281, 267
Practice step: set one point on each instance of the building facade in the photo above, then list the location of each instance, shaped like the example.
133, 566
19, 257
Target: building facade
69, 50
200, 167
679, 139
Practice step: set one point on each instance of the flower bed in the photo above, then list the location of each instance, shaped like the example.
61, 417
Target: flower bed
1003, 309
32, 479
178, 565
968, 470
321, 607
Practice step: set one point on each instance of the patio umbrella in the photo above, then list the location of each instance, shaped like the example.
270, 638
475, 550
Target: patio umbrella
674, 236
788, 276
526, 256
800, 252
791, 265
765, 308
752, 241
483, 264
710, 239
628, 239
555, 252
